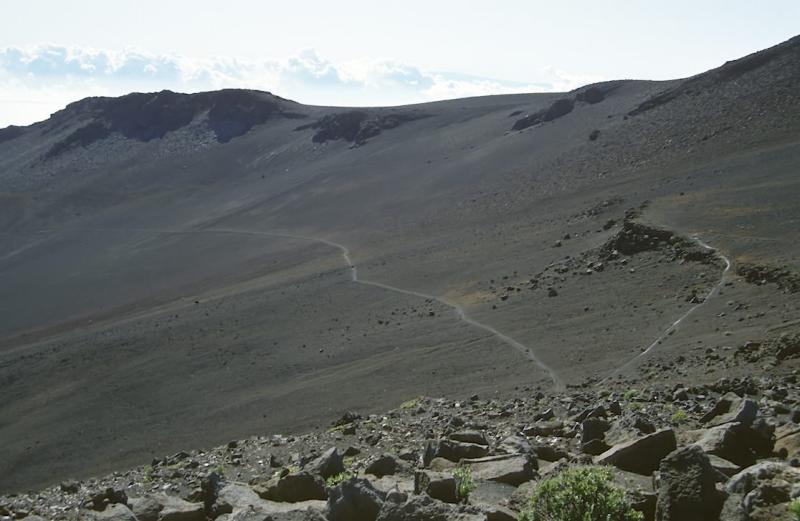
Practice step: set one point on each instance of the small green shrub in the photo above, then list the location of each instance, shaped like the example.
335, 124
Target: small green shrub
679, 416
410, 404
579, 494
635, 406
465, 484
630, 394
334, 480
794, 508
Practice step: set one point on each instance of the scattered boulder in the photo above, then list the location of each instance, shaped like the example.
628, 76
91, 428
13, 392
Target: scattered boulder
761, 492
642, 455
593, 429
293, 487
787, 442
737, 443
458, 450
513, 469
145, 508
384, 465
98, 501
438, 485
475, 437
515, 444
176, 509
115, 512
354, 500
688, 487
731, 408
424, 508
329, 464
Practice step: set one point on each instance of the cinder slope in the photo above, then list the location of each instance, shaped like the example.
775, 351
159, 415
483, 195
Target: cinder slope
167, 282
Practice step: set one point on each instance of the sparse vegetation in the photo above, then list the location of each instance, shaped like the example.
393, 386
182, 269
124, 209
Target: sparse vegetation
794, 508
148, 473
630, 394
410, 404
679, 416
220, 469
466, 485
635, 406
579, 494
334, 480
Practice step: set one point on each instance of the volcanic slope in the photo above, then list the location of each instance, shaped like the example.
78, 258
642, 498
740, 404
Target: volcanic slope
172, 265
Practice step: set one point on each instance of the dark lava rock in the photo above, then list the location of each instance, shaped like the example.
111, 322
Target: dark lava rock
147, 116
760, 275
642, 455
354, 500
593, 429
457, 450
291, 488
559, 108
423, 508
731, 408
384, 465
688, 487
357, 126
438, 485
327, 465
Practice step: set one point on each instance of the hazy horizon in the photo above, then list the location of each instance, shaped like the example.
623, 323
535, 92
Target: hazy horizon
366, 55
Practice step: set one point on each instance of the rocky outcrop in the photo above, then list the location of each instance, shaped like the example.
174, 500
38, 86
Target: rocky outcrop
357, 126
146, 116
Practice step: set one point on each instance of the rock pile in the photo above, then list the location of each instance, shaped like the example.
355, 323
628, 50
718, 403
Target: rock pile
730, 454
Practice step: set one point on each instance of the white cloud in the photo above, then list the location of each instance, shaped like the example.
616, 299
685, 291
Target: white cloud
35, 81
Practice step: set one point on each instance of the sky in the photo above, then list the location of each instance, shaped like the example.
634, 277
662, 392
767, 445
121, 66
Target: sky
362, 53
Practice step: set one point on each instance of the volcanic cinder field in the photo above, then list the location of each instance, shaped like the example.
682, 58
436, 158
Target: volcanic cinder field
180, 270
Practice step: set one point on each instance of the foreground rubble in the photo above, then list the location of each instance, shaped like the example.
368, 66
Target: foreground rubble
729, 450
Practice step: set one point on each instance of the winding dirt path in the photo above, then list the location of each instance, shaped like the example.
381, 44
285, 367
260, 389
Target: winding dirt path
671, 329
461, 314
459, 311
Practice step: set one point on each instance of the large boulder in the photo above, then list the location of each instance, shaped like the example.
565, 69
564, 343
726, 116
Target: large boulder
688, 487
145, 508
513, 469
787, 442
115, 512
515, 444
593, 429
731, 408
176, 509
761, 492
457, 450
293, 487
257, 515
330, 463
424, 508
737, 442
642, 455
354, 500
476, 437
238, 502
384, 465
438, 485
